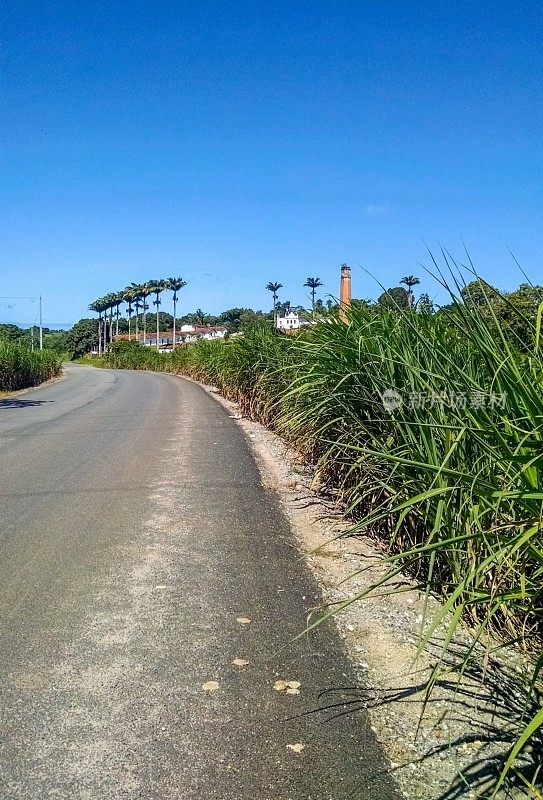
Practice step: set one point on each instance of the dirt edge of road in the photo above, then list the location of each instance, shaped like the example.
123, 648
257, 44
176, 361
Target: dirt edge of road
436, 750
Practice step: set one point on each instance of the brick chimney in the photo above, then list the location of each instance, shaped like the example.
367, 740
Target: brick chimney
344, 292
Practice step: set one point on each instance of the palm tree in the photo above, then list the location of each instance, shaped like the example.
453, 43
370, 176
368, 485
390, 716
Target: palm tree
101, 306
97, 306
119, 298
137, 307
274, 288
410, 281
137, 293
109, 304
129, 297
156, 287
105, 307
146, 290
313, 284
112, 300
199, 317
175, 285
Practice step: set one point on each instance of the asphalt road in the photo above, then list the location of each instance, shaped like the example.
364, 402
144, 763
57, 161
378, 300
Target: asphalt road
134, 530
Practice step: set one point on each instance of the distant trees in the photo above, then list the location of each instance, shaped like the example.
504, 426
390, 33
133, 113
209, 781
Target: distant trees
479, 293
250, 317
360, 305
135, 296
235, 318
399, 298
512, 312
28, 337
231, 318
165, 320
82, 337
284, 308
10, 331
396, 297
424, 304
200, 317
57, 341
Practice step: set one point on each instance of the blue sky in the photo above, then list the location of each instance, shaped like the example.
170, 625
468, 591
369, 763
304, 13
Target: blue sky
234, 143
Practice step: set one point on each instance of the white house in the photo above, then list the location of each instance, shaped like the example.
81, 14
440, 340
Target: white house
187, 333
292, 322
191, 333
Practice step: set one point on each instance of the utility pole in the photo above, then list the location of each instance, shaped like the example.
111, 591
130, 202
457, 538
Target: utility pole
41, 328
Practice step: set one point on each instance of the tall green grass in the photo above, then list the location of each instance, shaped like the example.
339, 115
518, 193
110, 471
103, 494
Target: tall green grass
21, 367
450, 478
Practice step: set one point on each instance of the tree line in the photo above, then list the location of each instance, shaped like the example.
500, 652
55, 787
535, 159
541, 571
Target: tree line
135, 296
312, 283
396, 296
501, 307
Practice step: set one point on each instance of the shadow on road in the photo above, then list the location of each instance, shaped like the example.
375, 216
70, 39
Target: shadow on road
489, 701
22, 403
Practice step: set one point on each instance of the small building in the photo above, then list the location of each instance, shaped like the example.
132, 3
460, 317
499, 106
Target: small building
193, 333
291, 322
187, 333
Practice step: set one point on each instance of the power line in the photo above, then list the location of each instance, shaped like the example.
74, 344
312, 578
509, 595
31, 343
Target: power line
33, 299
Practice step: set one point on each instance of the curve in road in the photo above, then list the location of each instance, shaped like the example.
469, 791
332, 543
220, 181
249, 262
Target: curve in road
134, 532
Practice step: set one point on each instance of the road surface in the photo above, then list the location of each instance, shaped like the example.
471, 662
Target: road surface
134, 531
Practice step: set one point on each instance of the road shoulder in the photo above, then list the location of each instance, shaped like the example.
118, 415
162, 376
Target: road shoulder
433, 748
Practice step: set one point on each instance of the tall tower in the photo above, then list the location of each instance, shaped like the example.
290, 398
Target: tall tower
344, 292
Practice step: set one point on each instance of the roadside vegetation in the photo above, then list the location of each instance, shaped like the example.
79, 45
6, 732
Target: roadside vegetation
21, 367
428, 427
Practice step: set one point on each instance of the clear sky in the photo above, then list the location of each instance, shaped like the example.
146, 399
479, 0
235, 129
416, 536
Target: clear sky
234, 143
